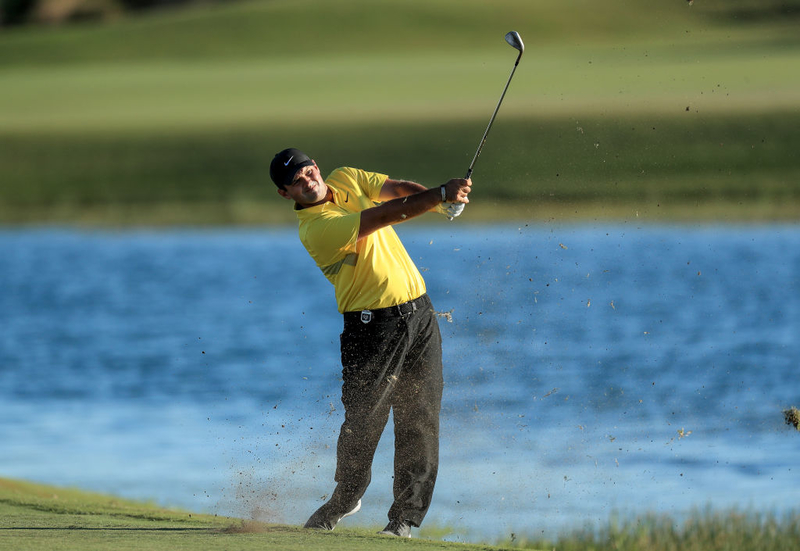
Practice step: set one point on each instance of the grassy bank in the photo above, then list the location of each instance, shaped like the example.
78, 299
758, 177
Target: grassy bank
172, 118
39, 517
653, 167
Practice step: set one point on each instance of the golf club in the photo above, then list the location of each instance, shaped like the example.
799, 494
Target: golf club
515, 41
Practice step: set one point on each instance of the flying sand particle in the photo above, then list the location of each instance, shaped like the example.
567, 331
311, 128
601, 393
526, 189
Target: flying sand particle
446, 315
792, 417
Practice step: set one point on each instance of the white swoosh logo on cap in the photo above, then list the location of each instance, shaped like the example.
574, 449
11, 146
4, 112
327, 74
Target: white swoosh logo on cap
289, 161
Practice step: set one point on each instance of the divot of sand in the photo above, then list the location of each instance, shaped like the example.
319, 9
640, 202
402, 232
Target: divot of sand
247, 527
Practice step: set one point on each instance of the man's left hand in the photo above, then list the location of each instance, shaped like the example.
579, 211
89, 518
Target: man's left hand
451, 210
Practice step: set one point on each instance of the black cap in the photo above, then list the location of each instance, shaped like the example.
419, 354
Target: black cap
286, 164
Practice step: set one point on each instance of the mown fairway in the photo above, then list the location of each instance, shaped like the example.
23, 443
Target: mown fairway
626, 110
37, 517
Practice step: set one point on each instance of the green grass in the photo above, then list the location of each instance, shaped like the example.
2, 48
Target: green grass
705, 531
646, 109
259, 29
39, 517
655, 165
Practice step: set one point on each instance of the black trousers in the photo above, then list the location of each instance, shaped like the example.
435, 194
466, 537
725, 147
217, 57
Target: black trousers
393, 361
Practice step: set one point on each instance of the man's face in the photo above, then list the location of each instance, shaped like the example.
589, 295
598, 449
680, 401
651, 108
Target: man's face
307, 187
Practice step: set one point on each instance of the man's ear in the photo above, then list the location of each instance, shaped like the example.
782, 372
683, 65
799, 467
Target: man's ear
282, 193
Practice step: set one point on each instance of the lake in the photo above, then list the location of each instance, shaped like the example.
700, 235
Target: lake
590, 370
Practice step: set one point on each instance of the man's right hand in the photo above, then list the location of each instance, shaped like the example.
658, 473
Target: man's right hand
457, 190
457, 196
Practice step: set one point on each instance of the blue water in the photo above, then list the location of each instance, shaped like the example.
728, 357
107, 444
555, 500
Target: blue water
589, 370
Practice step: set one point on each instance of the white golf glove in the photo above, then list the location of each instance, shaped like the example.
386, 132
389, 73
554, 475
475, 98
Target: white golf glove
451, 210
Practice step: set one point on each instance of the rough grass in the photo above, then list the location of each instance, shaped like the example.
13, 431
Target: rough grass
705, 530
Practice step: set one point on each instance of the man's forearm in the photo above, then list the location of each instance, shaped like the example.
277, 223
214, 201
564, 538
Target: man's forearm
398, 210
393, 189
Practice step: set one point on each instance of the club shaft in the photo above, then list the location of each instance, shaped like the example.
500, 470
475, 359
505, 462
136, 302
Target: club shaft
491, 121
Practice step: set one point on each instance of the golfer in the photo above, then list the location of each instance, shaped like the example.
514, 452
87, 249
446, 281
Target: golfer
391, 346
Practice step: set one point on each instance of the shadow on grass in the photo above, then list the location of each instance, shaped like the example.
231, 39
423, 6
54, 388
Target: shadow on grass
110, 529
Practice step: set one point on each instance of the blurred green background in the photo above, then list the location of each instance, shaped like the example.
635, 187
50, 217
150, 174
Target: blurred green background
119, 113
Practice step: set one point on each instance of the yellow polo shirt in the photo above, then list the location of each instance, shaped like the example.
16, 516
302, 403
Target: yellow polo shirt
375, 272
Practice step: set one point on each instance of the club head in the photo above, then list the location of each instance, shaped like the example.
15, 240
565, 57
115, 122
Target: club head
515, 40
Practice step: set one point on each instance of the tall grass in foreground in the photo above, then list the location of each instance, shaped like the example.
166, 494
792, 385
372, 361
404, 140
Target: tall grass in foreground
706, 530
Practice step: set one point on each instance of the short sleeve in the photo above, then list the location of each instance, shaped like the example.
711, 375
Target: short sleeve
332, 237
371, 183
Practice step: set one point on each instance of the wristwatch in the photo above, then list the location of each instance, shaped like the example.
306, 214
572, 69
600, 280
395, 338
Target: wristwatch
444, 193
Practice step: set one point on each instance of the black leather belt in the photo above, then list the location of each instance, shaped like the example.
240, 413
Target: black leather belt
366, 316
